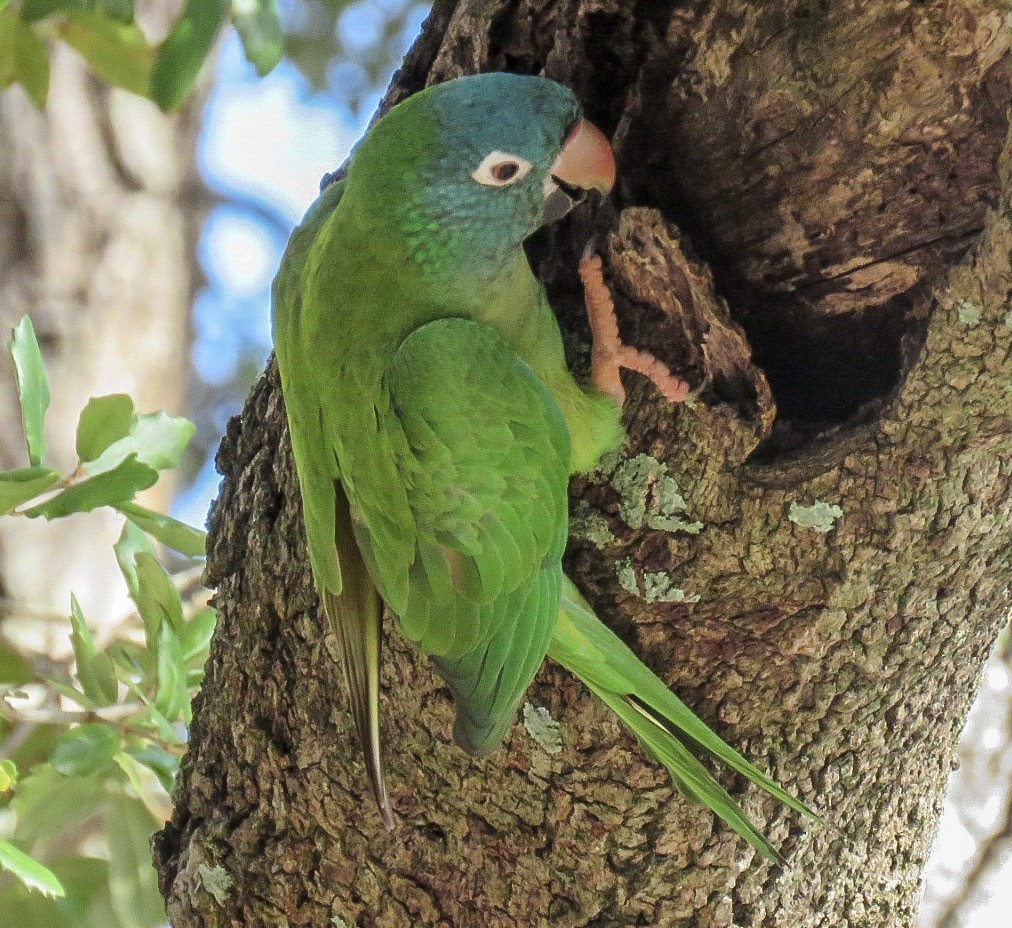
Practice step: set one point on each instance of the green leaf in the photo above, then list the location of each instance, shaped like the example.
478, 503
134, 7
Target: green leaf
8, 775
132, 658
160, 762
147, 784
117, 52
23, 57
157, 439
114, 486
19, 486
182, 54
106, 419
157, 599
85, 880
68, 691
172, 698
133, 883
9, 27
170, 532
31, 64
195, 635
29, 871
32, 10
94, 670
47, 803
132, 541
166, 729
85, 750
33, 387
259, 28
120, 10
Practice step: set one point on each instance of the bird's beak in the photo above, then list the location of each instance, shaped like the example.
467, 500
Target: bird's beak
586, 162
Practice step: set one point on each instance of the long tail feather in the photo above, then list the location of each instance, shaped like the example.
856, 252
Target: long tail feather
356, 617
659, 719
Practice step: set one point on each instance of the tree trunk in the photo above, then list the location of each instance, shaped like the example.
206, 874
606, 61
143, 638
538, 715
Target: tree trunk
97, 235
845, 173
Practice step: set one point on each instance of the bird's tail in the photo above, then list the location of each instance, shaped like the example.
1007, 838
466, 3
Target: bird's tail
663, 724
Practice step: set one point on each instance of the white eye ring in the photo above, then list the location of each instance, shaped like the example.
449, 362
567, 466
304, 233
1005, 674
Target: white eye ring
500, 169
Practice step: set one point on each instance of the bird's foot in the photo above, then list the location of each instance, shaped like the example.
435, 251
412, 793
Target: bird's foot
608, 354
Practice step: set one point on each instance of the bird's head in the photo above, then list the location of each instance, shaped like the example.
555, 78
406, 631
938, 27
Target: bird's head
470, 168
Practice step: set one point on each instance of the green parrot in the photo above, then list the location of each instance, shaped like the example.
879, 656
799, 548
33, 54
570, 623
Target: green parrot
435, 425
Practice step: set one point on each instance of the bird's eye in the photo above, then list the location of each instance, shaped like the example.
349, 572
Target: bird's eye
504, 171
499, 169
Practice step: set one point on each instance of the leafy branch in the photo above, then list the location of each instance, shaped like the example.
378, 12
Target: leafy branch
113, 720
106, 35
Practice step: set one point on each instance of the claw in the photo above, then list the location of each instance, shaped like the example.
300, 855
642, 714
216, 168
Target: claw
608, 354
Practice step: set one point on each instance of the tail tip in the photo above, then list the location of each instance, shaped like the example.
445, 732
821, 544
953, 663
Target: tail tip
477, 741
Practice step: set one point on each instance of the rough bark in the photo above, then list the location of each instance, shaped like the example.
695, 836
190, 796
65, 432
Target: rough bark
844, 175
98, 222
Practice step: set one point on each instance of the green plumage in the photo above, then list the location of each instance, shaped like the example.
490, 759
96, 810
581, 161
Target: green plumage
434, 422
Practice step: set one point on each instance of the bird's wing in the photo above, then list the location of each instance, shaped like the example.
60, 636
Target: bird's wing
481, 452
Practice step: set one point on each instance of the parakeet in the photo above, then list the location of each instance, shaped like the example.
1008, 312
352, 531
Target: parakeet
435, 424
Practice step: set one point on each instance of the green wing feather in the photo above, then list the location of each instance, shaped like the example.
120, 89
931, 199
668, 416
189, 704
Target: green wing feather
482, 451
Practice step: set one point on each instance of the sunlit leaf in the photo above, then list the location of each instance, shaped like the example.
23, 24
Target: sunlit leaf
8, 775
33, 387
114, 486
31, 64
171, 698
132, 541
157, 598
195, 635
68, 691
166, 730
147, 784
160, 762
94, 670
117, 52
259, 28
80, 634
170, 532
182, 54
133, 883
29, 871
85, 750
19, 486
104, 420
156, 439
